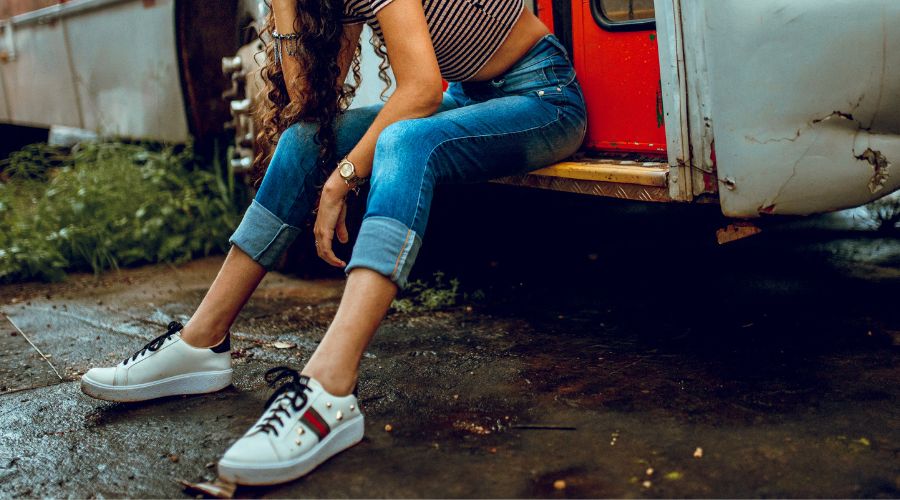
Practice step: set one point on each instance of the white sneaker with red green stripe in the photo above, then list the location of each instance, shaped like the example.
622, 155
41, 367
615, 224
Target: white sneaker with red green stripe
303, 425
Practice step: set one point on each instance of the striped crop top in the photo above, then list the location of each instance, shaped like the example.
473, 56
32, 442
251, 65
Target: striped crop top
464, 33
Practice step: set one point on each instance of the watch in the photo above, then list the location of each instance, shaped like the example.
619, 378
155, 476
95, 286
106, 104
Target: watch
347, 171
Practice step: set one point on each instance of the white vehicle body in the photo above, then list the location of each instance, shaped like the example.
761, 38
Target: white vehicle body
109, 66
792, 106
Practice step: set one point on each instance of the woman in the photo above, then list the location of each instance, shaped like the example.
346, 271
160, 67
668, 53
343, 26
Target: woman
513, 105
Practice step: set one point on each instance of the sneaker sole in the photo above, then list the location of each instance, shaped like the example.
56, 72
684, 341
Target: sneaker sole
335, 442
190, 383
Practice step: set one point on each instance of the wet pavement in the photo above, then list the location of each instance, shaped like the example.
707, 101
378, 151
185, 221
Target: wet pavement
597, 349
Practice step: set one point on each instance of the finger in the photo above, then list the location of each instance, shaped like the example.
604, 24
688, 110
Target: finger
341, 230
325, 252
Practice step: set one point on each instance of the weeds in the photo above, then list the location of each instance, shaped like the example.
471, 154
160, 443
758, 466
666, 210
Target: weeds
105, 205
420, 296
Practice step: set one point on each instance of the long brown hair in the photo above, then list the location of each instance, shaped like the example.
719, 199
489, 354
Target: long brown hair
318, 24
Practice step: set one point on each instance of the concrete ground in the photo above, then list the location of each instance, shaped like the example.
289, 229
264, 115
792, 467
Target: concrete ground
615, 353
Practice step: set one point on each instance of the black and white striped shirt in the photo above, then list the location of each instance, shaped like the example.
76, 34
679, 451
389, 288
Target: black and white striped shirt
465, 33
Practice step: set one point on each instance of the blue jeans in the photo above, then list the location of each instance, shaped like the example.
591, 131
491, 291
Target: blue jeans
531, 116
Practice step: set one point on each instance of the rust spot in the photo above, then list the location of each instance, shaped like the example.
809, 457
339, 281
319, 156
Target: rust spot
767, 209
710, 183
736, 231
880, 168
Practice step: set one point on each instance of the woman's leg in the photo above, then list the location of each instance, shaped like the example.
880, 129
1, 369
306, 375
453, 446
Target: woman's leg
237, 279
335, 363
314, 415
482, 140
197, 359
287, 195
285, 199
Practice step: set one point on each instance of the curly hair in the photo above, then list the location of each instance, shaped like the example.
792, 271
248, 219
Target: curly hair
321, 98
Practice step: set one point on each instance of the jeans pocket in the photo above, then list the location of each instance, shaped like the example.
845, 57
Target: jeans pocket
558, 71
562, 97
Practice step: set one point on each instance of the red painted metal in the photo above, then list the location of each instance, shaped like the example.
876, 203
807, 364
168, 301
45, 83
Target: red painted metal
545, 12
619, 73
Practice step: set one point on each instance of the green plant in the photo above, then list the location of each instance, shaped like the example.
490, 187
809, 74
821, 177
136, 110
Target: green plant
108, 204
33, 162
428, 296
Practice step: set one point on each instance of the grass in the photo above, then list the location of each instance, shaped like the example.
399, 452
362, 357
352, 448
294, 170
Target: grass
434, 294
108, 204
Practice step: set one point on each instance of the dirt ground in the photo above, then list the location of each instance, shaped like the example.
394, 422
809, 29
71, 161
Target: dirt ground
595, 350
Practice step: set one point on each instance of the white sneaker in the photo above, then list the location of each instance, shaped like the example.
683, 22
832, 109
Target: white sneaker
303, 426
166, 366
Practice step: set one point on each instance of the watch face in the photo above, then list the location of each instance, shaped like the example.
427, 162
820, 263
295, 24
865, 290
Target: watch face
346, 170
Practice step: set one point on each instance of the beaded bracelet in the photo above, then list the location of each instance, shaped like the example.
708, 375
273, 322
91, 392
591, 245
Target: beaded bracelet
293, 44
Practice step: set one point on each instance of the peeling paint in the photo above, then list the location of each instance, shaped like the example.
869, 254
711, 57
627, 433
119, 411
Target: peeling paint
880, 167
839, 114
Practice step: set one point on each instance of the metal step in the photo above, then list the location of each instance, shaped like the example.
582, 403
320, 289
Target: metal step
631, 180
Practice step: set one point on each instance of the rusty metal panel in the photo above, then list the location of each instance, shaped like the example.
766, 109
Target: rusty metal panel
700, 118
673, 84
805, 100
125, 63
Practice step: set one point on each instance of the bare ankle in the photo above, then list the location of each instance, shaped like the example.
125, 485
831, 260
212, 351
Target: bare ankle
201, 337
336, 382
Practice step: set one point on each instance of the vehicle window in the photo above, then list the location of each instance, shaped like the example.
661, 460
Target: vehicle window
627, 10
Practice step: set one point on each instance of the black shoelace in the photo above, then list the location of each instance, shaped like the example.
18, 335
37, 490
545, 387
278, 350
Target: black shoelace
293, 391
173, 328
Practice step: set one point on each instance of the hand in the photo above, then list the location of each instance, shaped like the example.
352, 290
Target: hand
331, 219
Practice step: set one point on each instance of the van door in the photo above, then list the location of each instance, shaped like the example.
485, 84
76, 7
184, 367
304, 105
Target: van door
782, 106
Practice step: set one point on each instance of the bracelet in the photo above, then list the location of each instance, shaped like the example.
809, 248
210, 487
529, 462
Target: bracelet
356, 184
292, 40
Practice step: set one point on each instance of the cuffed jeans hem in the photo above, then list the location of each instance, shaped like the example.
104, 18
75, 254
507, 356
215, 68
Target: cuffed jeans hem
263, 236
386, 246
